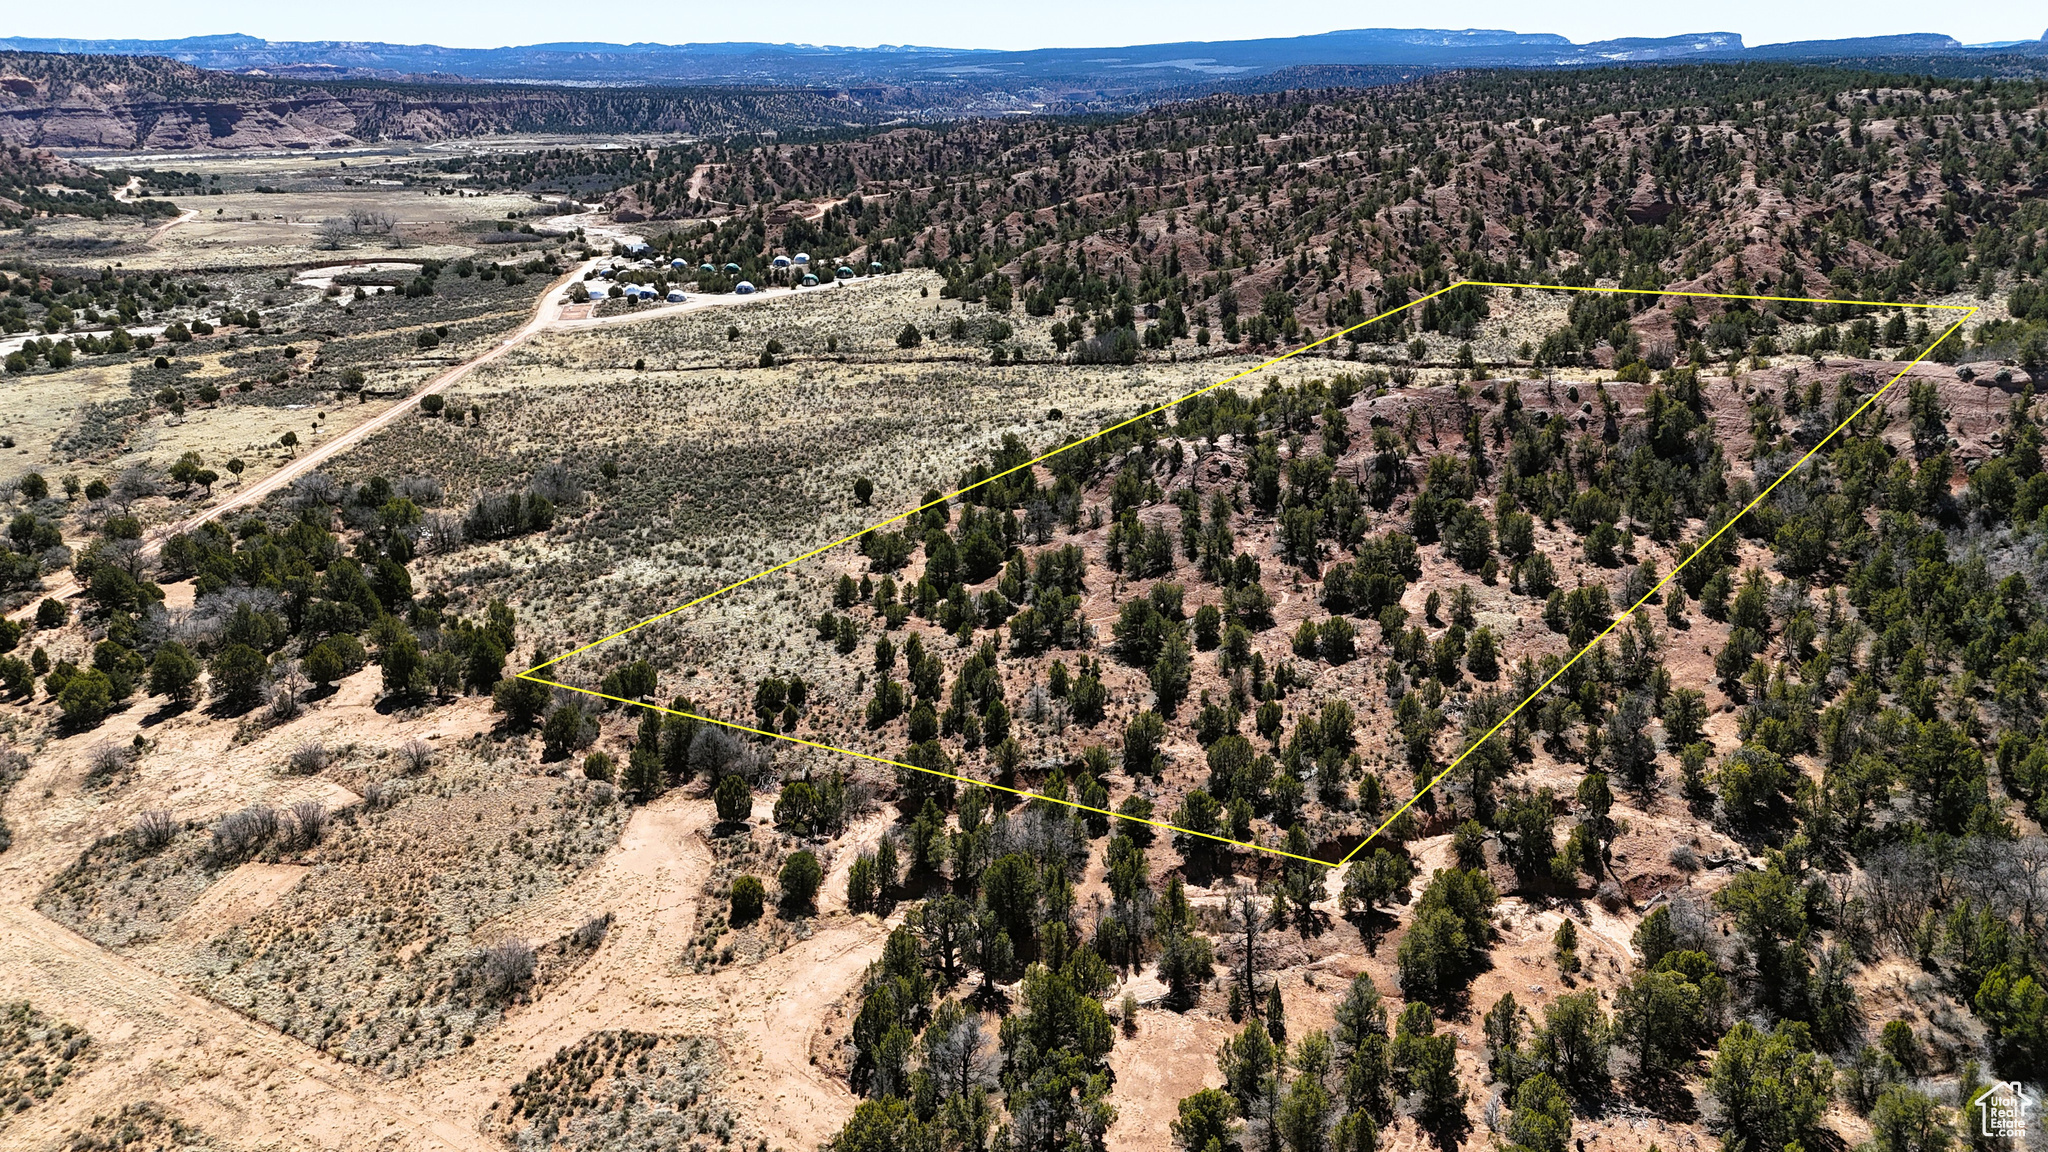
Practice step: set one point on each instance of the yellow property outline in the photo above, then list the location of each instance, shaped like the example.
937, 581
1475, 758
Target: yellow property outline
1966, 309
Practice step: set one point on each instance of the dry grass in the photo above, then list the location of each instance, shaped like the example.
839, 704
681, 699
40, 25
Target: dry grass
37, 1054
381, 953
718, 942
620, 1090
140, 1127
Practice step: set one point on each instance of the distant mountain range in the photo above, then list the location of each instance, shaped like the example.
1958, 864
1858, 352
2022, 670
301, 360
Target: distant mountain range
1057, 74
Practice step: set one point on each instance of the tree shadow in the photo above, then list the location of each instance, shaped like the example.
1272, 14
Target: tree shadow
990, 997
921, 886
395, 703
1203, 869
1448, 1133
1310, 923
168, 710
1668, 1098
1373, 926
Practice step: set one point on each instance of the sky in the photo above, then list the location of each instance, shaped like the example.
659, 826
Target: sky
1036, 24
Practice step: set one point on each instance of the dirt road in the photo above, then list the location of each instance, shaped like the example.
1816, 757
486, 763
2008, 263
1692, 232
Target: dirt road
173, 222
547, 310
254, 1087
764, 1016
127, 192
161, 1038
547, 316
238, 1079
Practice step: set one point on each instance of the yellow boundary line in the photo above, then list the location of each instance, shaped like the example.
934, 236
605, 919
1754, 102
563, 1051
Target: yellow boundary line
1967, 310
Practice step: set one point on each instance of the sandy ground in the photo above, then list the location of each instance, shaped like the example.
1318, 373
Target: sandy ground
764, 1016
235, 1078
1171, 1056
244, 1082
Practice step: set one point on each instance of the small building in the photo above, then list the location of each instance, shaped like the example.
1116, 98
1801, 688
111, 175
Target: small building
803, 257
844, 272
810, 281
743, 288
675, 296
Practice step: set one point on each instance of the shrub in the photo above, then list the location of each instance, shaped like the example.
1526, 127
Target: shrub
104, 763
86, 698
154, 829
238, 834
323, 664
506, 967
416, 755
861, 884
307, 758
591, 932
173, 673
799, 880
734, 799
520, 700
747, 899
309, 822
238, 674
1447, 942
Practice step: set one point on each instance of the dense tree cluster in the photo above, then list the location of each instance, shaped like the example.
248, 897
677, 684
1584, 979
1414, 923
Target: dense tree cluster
1260, 214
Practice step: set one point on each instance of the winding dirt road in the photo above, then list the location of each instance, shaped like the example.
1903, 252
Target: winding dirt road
547, 316
232, 1075
764, 1016
546, 311
158, 1037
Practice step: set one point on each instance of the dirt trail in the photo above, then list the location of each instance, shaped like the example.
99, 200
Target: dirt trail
252, 1086
157, 236
240, 1080
232, 900
1172, 1056
127, 192
545, 312
547, 316
243, 1081
695, 187
763, 1015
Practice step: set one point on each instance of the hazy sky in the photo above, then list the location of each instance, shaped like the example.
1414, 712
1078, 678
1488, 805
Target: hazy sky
1032, 24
